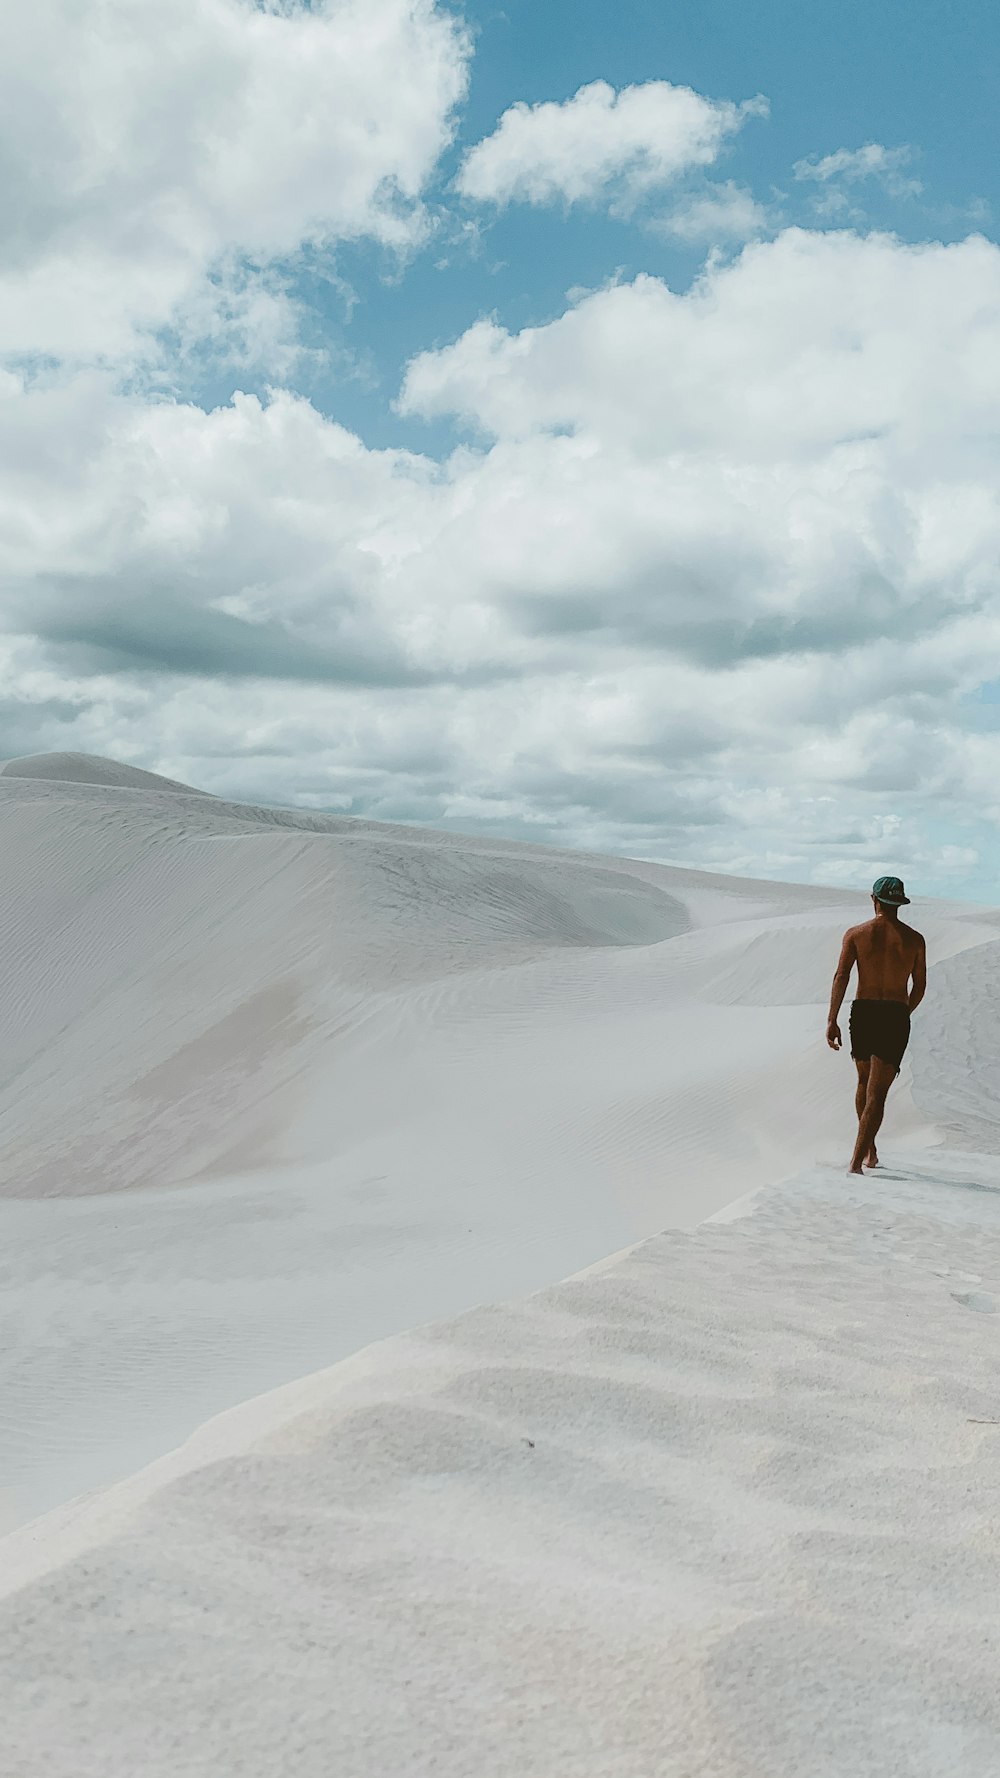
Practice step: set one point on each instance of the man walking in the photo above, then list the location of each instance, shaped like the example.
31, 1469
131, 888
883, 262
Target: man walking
887, 954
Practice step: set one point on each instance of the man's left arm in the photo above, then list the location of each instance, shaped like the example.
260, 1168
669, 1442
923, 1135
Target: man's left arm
848, 958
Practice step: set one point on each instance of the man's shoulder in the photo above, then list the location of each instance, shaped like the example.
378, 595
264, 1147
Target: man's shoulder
912, 932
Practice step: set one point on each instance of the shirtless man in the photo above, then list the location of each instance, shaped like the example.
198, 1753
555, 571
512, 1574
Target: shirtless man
887, 954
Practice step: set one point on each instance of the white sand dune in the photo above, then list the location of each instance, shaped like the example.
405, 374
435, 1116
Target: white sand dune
395, 1072
275, 1086
726, 1506
90, 768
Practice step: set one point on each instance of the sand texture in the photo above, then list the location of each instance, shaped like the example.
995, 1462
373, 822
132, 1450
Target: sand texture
726, 1507
277, 1090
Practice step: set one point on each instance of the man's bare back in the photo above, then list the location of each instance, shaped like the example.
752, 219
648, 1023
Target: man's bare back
888, 955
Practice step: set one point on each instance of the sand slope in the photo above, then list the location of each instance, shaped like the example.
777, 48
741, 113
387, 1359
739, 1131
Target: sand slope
274, 1086
726, 1506
394, 1073
193, 987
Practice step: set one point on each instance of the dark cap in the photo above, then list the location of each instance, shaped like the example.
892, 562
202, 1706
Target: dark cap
890, 891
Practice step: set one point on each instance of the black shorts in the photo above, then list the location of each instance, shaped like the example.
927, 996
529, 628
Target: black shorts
879, 1028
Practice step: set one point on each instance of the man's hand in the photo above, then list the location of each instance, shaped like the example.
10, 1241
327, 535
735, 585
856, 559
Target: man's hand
833, 1034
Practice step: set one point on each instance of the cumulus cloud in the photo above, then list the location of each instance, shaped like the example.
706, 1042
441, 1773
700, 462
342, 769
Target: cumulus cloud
625, 144
148, 149
710, 579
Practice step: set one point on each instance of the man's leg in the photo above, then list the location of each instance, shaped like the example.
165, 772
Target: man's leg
880, 1078
860, 1098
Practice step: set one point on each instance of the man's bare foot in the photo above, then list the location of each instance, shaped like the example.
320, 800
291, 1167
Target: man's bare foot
855, 1170
871, 1158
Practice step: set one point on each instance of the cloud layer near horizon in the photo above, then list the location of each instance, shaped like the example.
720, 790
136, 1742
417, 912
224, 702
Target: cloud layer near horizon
709, 548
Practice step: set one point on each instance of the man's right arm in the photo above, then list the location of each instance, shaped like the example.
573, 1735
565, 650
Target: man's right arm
919, 973
842, 975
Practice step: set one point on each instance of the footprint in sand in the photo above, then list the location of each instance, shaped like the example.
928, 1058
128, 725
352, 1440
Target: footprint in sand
980, 1300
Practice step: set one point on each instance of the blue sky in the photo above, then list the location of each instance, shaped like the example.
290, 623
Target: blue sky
904, 74
566, 422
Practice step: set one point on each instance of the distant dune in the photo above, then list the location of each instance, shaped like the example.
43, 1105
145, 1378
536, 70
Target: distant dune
89, 768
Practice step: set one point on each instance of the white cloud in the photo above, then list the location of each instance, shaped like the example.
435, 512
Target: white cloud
146, 148
719, 213
630, 143
838, 173
807, 343
713, 585
871, 162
